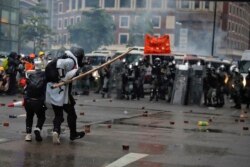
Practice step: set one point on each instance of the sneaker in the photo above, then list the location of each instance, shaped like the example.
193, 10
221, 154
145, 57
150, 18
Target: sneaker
38, 135
56, 138
28, 137
77, 135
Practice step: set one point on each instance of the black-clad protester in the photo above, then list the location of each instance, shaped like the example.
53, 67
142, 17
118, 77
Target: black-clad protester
13, 63
34, 98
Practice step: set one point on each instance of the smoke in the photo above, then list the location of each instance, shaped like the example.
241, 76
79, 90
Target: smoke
200, 31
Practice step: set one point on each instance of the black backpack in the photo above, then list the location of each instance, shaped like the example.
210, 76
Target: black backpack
36, 85
51, 71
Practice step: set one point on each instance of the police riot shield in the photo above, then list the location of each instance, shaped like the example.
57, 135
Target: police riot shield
195, 86
180, 85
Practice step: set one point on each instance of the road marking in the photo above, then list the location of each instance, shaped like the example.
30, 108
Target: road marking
3, 140
22, 115
127, 159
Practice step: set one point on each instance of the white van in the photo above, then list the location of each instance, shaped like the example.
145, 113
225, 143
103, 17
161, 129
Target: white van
96, 58
131, 57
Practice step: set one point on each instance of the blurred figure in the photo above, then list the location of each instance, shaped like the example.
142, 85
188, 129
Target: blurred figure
106, 73
221, 86
156, 80
247, 89
237, 88
4, 81
12, 73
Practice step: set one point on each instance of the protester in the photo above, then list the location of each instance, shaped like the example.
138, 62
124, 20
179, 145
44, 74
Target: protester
12, 72
4, 81
34, 98
61, 98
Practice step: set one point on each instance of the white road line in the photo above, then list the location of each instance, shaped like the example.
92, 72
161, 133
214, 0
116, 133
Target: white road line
3, 140
127, 159
22, 115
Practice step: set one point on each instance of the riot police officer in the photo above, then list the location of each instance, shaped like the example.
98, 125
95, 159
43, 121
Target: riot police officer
156, 79
237, 88
247, 89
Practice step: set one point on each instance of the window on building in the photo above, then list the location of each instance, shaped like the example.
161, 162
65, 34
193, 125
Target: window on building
60, 7
109, 3
14, 46
125, 4
13, 17
64, 38
72, 21
156, 4
5, 31
5, 18
197, 4
206, 4
91, 3
123, 38
171, 4
78, 19
156, 21
141, 4
59, 24
79, 4
124, 22
14, 33
15, 3
184, 4
65, 23
73, 4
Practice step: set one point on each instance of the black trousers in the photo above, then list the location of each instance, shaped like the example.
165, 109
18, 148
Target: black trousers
71, 117
33, 107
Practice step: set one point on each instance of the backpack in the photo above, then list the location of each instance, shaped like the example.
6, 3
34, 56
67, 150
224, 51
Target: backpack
36, 85
51, 71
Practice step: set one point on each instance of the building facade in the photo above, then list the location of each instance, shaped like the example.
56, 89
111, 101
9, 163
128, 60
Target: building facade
236, 22
196, 27
9, 23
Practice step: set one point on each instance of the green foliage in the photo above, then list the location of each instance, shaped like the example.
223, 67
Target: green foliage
34, 27
142, 26
96, 29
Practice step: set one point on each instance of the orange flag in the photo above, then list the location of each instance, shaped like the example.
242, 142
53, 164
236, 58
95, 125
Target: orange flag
157, 45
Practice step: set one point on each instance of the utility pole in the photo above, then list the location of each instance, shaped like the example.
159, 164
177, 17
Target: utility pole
214, 22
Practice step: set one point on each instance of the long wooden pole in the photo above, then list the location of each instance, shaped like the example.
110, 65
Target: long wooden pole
91, 71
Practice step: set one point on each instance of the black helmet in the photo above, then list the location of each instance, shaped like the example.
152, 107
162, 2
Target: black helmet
79, 54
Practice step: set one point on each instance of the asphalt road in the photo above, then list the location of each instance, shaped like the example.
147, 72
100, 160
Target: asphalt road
131, 134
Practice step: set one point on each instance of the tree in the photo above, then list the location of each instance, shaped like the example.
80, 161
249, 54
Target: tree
139, 28
96, 29
34, 28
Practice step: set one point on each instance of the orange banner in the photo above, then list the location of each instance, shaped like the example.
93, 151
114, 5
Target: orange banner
157, 45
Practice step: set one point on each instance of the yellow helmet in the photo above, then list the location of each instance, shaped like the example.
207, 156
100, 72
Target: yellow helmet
1, 68
41, 53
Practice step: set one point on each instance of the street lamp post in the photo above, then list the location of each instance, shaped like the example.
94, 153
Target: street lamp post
214, 22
